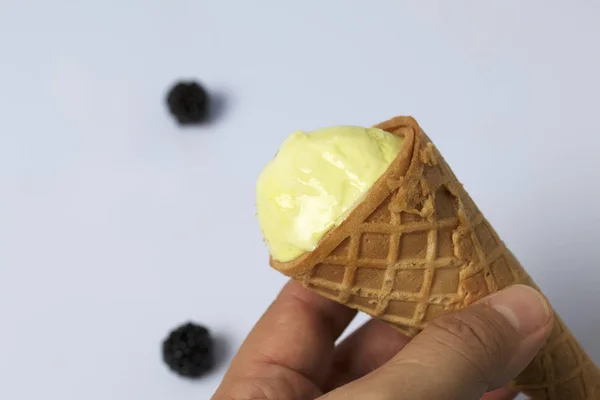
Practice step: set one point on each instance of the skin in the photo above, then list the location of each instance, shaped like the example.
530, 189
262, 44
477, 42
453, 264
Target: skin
291, 354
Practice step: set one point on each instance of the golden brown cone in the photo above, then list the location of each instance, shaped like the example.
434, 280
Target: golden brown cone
417, 247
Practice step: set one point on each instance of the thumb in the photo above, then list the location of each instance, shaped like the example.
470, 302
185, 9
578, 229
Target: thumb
464, 354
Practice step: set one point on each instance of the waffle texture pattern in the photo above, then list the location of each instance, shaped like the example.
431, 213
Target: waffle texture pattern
417, 247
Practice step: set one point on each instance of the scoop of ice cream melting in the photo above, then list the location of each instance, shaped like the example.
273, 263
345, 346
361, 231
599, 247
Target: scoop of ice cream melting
315, 180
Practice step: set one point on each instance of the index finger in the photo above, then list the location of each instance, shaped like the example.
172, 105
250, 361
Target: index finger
293, 340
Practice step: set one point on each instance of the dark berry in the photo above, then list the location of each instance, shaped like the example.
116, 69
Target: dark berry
188, 350
188, 102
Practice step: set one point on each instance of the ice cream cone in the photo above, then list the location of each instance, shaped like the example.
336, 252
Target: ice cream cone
417, 247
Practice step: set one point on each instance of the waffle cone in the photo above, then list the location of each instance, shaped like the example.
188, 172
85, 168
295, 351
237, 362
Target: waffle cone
417, 247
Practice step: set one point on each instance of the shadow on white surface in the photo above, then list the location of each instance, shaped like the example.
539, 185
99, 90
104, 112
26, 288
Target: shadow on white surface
223, 351
221, 103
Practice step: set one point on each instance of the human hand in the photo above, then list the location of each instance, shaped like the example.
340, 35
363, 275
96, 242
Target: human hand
291, 353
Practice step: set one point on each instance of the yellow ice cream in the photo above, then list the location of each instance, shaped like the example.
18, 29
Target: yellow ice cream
315, 180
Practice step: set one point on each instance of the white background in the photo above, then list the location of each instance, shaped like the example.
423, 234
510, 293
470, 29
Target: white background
116, 225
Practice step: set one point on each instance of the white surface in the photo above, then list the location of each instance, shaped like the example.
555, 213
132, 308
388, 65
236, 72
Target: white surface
116, 225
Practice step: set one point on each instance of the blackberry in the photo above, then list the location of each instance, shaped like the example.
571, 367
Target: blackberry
188, 102
188, 350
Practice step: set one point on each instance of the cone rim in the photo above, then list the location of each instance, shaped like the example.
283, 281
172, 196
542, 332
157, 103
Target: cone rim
403, 126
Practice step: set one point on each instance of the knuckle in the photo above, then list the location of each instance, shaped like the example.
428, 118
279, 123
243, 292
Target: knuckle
255, 389
267, 388
477, 338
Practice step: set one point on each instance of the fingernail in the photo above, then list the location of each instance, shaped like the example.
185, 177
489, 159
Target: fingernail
523, 307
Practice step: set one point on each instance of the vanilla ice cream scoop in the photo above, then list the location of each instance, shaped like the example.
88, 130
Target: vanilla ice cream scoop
315, 180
